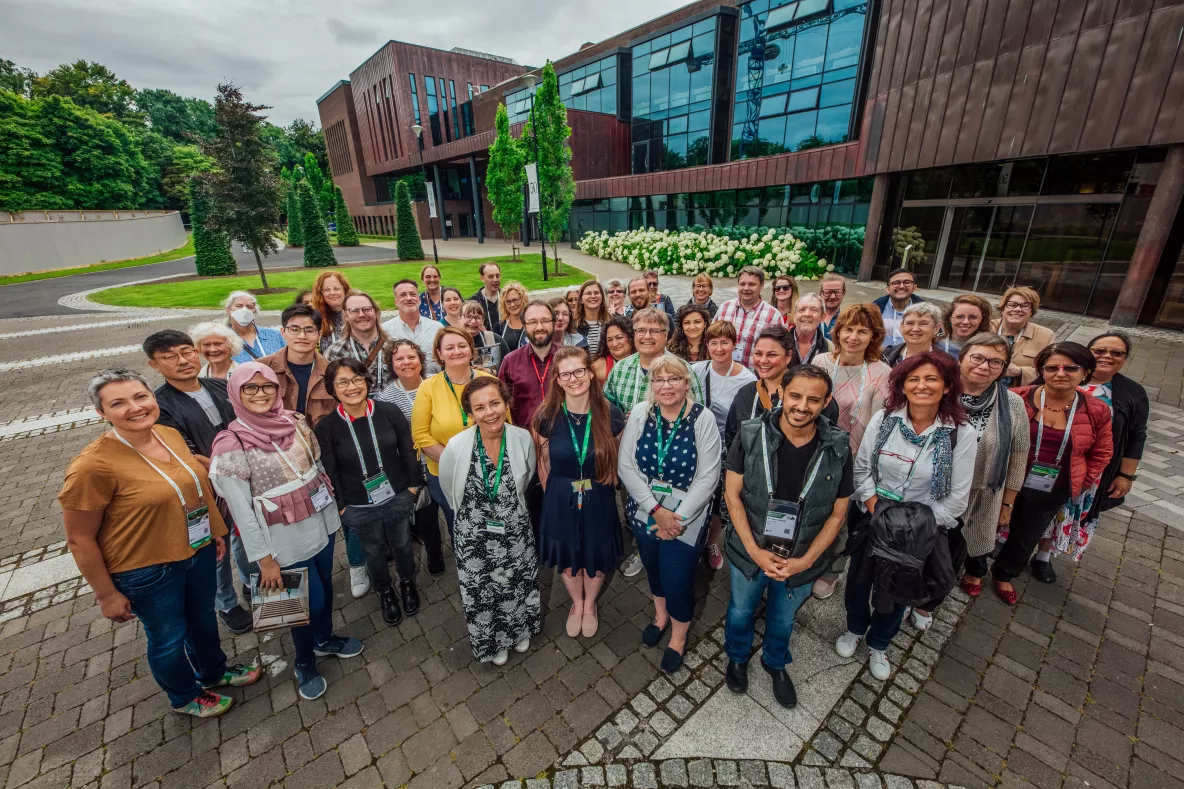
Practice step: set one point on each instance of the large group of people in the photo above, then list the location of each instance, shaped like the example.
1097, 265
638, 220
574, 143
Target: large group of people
896, 444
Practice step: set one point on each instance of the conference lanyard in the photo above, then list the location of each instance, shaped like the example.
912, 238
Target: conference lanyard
198, 520
491, 492
1068, 427
892, 495
373, 437
543, 375
769, 472
464, 418
664, 447
859, 394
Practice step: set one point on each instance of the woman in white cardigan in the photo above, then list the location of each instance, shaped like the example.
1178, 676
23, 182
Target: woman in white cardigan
484, 471
669, 462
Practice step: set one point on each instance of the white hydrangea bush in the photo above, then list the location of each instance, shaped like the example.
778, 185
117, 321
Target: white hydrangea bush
690, 253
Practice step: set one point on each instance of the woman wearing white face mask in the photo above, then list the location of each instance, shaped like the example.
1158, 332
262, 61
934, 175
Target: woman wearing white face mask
241, 312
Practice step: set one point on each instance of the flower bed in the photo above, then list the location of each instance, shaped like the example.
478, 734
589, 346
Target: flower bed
689, 252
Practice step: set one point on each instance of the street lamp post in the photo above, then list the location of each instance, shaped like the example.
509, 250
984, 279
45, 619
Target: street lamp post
531, 81
432, 227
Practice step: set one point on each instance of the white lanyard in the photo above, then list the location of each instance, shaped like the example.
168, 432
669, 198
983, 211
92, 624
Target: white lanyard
1040, 428
284, 455
373, 438
912, 466
769, 473
895, 321
201, 496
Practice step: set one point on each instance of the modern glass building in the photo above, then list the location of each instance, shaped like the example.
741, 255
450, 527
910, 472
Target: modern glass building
1015, 143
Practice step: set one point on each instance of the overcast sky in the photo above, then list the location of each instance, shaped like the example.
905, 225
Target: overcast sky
286, 53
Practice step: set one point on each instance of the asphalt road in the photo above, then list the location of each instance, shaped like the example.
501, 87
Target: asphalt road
28, 299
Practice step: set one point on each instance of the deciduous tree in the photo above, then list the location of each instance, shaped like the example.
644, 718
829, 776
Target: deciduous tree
557, 184
504, 176
90, 85
245, 186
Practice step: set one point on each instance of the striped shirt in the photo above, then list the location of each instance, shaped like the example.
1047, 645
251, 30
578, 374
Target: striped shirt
748, 323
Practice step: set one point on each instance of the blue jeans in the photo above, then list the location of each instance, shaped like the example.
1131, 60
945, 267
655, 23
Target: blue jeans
355, 554
439, 497
879, 626
226, 596
320, 605
780, 611
670, 567
175, 604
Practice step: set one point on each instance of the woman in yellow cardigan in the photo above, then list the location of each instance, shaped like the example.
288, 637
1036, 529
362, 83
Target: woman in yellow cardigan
437, 415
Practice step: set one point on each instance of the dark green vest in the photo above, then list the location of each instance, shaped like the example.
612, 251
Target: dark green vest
833, 450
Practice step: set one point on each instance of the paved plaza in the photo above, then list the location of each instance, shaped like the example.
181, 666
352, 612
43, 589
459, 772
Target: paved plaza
1080, 685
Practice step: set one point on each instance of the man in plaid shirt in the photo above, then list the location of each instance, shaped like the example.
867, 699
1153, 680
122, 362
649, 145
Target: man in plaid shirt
626, 384
747, 313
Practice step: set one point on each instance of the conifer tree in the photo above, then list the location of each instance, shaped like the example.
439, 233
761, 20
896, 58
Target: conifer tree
347, 236
295, 218
317, 252
406, 233
212, 256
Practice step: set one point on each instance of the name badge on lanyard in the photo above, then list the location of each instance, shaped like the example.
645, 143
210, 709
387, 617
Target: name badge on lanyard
322, 498
1042, 477
781, 522
378, 487
199, 527
197, 520
883, 491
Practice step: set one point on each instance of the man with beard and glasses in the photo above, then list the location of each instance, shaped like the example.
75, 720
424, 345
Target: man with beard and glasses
199, 409
363, 339
526, 369
789, 481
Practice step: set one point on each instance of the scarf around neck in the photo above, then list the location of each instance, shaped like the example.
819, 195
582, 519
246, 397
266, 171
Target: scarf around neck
943, 452
251, 430
996, 395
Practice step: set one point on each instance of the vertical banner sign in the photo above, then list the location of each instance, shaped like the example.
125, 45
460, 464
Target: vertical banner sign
532, 187
431, 199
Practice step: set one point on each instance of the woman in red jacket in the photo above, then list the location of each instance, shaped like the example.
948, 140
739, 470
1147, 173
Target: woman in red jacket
1071, 445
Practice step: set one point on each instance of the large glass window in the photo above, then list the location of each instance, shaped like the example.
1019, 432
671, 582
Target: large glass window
811, 46
414, 99
672, 85
433, 110
455, 116
591, 87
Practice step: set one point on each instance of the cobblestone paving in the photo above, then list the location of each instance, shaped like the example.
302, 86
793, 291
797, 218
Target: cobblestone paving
1079, 685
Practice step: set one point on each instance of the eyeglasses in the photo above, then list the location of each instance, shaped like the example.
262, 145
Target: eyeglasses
308, 331
573, 375
832, 293
616, 292
781, 288
360, 310
901, 283
652, 285
647, 332
1018, 305
350, 383
667, 383
977, 359
535, 324
254, 389
513, 302
188, 354
1099, 352
1051, 369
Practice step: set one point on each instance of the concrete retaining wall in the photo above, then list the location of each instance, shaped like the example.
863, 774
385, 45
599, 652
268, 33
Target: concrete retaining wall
48, 240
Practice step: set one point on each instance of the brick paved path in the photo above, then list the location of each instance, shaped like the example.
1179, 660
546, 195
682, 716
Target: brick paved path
1081, 684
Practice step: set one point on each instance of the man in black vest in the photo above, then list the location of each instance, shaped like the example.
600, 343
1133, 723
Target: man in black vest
199, 409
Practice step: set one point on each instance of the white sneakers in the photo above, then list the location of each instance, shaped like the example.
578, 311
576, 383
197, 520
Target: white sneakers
359, 581
920, 619
877, 661
847, 644
632, 566
501, 657
522, 645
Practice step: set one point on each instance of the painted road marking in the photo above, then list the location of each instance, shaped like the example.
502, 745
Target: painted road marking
63, 358
83, 326
49, 423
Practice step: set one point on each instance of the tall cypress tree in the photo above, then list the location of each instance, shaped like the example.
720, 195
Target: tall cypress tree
347, 235
317, 252
406, 233
212, 256
295, 218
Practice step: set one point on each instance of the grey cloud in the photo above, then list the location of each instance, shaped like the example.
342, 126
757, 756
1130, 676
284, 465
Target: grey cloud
345, 33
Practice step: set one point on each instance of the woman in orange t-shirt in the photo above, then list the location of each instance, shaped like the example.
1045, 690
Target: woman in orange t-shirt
143, 526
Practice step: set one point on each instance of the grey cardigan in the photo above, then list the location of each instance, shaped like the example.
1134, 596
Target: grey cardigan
982, 513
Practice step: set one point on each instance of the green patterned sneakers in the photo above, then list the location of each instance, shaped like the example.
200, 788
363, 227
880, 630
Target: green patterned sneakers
206, 705
237, 676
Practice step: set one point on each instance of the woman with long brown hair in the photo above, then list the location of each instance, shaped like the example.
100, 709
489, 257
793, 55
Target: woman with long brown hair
616, 343
690, 326
785, 297
328, 298
592, 314
575, 432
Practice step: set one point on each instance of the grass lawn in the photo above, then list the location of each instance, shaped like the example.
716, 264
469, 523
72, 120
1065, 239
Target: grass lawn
179, 252
375, 280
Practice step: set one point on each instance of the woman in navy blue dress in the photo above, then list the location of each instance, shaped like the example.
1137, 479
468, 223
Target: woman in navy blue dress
575, 432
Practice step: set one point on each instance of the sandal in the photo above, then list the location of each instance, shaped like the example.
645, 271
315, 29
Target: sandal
591, 621
971, 588
574, 620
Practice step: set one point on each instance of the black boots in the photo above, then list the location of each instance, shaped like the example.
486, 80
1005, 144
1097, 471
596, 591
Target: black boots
737, 676
391, 613
410, 595
783, 689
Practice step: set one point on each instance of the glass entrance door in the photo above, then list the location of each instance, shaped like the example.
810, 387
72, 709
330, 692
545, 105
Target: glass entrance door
984, 247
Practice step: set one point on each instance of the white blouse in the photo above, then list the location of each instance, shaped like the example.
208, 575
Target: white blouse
895, 467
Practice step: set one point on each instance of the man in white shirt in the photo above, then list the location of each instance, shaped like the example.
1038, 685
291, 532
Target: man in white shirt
747, 312
410, 325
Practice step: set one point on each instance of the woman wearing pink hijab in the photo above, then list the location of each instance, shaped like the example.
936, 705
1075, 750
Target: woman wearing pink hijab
267, 467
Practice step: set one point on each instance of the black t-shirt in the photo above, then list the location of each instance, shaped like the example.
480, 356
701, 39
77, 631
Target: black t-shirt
301, 372
793, 463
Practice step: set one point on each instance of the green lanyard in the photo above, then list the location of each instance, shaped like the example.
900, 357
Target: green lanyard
491, 493
581, 449
665, 448
464, 418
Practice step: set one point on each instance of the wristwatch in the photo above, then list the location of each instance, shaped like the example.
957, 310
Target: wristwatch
1131, 477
